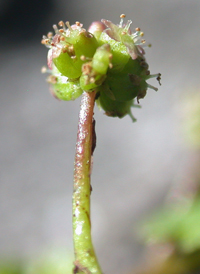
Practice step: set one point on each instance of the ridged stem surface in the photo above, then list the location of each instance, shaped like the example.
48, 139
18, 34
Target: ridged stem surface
85, 258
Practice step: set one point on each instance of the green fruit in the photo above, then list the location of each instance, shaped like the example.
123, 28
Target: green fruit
65, 64
128, 83
94, 72
68, 59
102, 59
118, 50
114, 108
62, 89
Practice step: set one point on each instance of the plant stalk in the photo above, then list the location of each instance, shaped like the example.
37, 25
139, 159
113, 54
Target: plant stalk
85, 258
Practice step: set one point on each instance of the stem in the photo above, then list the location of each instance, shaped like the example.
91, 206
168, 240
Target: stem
85, 258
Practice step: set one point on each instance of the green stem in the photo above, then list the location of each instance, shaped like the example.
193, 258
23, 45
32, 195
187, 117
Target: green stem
85, 258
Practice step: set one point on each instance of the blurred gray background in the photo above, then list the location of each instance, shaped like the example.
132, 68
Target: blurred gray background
135, 165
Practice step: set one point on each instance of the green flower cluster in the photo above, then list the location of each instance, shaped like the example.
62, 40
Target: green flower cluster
108, 59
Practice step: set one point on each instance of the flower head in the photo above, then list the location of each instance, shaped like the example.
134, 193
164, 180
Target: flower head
107, 58
67, 46
122, 33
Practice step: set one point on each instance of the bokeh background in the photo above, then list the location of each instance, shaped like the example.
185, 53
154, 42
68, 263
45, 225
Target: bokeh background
135, 165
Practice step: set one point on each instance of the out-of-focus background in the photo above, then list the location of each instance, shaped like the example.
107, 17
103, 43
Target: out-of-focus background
135, 165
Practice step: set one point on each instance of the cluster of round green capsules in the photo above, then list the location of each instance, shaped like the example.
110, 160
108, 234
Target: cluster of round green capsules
108, 59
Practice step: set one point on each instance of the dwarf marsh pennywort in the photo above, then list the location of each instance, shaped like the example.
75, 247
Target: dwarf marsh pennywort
107, 58
106, 65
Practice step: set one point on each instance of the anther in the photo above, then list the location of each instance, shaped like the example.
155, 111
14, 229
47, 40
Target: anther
83, 58
45, 41
61, 24
122, 15
43, 69
92, 80
64, 50
78, 23
159, 78
144, 64
71, 48
137, 29
52, 79
141, 95
49, 35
